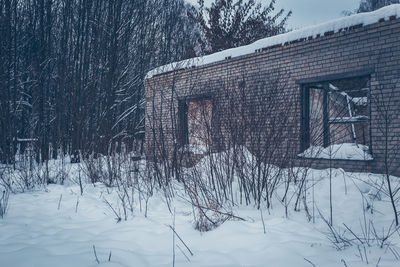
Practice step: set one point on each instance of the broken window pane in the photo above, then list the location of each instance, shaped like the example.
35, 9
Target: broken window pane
338, 119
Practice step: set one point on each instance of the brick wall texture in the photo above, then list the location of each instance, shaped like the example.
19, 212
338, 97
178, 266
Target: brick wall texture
261, 93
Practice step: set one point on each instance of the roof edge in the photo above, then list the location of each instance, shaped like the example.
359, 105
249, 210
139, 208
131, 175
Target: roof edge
390, 12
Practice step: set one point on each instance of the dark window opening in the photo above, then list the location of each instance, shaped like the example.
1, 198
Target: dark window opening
183, 124
195, 118
335, 119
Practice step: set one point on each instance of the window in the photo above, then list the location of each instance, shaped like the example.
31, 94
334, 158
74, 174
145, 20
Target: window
183, 125
195, 117
335, 119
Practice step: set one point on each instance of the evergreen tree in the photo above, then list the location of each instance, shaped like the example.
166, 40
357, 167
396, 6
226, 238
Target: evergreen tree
233, 23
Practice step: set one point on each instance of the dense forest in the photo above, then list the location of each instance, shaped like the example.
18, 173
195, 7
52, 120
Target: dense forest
71, 71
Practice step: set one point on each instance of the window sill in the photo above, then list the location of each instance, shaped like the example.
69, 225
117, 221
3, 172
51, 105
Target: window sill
335, 159
344, 152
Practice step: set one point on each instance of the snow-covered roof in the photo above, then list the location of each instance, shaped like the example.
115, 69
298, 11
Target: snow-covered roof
333, 26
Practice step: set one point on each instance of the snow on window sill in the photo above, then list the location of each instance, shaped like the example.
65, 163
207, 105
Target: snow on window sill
346, 151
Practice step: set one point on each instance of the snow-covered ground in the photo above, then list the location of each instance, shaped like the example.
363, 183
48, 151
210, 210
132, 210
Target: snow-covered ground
46, 227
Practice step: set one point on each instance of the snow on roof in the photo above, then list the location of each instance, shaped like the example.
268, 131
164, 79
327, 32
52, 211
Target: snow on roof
330, 27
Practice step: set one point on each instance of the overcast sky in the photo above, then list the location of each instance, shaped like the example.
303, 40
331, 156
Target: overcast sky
310, 12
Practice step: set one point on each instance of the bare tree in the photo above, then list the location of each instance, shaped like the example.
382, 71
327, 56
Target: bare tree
384, 99
73, 71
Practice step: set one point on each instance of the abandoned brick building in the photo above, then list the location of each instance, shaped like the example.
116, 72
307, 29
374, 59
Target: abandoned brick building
327, 95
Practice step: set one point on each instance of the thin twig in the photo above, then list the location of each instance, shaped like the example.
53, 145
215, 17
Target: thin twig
77, 203
183, 253
95, 255
353, 233
222, 213
173, 241
379, 260
310, 262
116, 214
262, 219
191, 253
395, 254
59, 202
359, 250
365, 253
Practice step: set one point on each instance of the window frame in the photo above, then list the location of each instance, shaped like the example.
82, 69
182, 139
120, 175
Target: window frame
183, 106
306, 85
